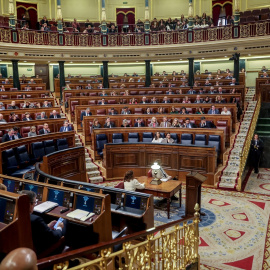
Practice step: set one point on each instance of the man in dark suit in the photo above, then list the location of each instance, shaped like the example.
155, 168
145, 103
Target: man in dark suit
213, 110
27, 117
17, 134
8, 136
166, 100
154, 100
191, 91
45, 129
108, 123
233, 82
46, 104
102, 102
144, 100
139, 123
65, 127
13, 106
42, 116
55, 115
43, 235
187, 124
205, 124
85, 113
207, 83
113, 112
256, 152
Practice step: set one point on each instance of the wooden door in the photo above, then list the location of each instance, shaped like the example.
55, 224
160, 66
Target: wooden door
43, 72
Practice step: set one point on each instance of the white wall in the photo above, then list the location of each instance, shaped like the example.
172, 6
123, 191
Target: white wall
120, 69
169, 68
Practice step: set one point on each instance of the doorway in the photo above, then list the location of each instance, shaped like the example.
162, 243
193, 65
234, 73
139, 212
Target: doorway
43, 72
125, 19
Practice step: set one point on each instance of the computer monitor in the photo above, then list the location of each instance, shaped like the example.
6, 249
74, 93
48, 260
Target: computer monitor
12, 185
116, 197
85, 202
136, 202
37, 189
59, 196
7, 208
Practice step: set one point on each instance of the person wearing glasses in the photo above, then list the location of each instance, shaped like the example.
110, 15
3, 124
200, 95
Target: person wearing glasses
43, 235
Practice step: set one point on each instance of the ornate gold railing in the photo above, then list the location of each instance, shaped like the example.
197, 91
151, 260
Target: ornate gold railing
246, 147
171, 246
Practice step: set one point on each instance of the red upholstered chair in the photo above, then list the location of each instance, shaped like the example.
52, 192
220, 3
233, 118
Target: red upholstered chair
27, 88
222, 125
93, 94
4, 97
140, 85
150, 92
39, 127
138, 111
158, 92
131, 86
38, 88
13, 89
142, 92
73, 104
67, 96
1, 135
176, 100
111, 101
133, 92
120, 185
92, 102
25, 131
189, 110
101, 112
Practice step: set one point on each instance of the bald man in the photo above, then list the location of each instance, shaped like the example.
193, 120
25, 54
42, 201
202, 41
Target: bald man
20, 259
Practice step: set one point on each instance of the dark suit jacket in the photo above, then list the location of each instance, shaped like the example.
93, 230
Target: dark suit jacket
167, 101
84, 114
43, 237
258, 149
39, 117
24, 119
192, 125
6, 138
207, 125
211, 112
111, 124
114, 113
136, 124
62, 129
52, 116
41, 132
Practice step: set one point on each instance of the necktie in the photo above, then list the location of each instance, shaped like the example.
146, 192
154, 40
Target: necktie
213, 112
55, 117
65, 129
45, 131
165, 124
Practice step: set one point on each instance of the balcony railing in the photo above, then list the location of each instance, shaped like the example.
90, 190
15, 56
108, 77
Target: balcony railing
19, 36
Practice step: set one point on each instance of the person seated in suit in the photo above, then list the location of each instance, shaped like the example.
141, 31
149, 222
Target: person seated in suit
43, 235
32, 132
130, 183
201, 91
191, 91
207, 83
205, 124
126, 93
108, 123
154, 122
102, 102
176, 123
65, 127
220, 91
144, 100
8, 136
2, 120
88, 86
2, 106
27, 105
168, 139
213, 110
27, 117
13, 106
198, 99
188, 124
17, 134
14, 117
170, 92
225, 111
85, 113
103, 93
6, 81
113, 112
125, 123
20, 259
265, 75
165, 122
45, 129
166, 100
186, 100
154, 100
264, 69
148, 111
184, 84
125, 110
42, 116
219, 99
233, 82
96, 124
212, 90
183, 111
157, 138
46, 104
173, 110
55, 115
31, 81
139, 123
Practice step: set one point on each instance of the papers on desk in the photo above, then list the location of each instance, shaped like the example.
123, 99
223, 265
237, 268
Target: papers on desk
164, 179
80, 214
44, 207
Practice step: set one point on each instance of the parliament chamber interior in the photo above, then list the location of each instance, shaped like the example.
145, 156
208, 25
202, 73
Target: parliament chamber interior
134, 135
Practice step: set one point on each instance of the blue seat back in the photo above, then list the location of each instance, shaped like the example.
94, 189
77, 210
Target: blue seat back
174, 137
147, 137
49, 146
10, 160
101, 140
117, 138
62, 144
133, 137
200, 139
23, 156
38, 150
186, 138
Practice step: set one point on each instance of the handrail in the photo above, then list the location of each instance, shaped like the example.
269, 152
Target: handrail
53, 260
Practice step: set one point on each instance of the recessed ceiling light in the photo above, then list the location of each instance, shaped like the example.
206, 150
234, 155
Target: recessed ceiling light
137, 61
181, 59
24, 61
158, 60
0, 60
70, 62
202, 57
94, 62
49, 61
225, 56
249, 54
115, 61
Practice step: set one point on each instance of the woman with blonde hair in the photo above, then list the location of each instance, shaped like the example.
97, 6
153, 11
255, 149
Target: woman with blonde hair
154, 122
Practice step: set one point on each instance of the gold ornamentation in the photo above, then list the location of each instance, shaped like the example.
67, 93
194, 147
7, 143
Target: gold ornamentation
125, 41
198, 35
261, 29
139, 41
83, 40
112, 40
23, 36
69, 38
226, 32
212, 34
168, 38
154, 39
96, 40
61, 266
38, 38
182, 37
244, 30
5, 35
53, 39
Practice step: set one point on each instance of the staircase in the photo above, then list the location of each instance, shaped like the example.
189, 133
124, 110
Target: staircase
230, 174
93, 173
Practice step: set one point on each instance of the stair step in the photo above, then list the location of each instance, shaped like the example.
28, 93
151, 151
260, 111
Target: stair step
93, 173
88, 159
78, 144
97, 179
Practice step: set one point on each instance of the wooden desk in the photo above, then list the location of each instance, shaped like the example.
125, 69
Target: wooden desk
164, 190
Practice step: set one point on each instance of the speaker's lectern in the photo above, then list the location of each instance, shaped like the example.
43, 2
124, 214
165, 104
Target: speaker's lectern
193, 187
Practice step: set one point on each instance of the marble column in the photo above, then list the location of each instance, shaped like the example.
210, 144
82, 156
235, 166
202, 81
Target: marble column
147, 73
105, 74
190, 71
62, 78
236, 67
11, 14
16, 79
103, 18
146, 17
236, 12
190, 15
59, 17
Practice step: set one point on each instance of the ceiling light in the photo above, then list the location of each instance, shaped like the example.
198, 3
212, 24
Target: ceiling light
24, 61
70, 62
115, 61
94, 62
137, 61
249, 54
181, 59
49, 61
158, 60
225, 56
202, 57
